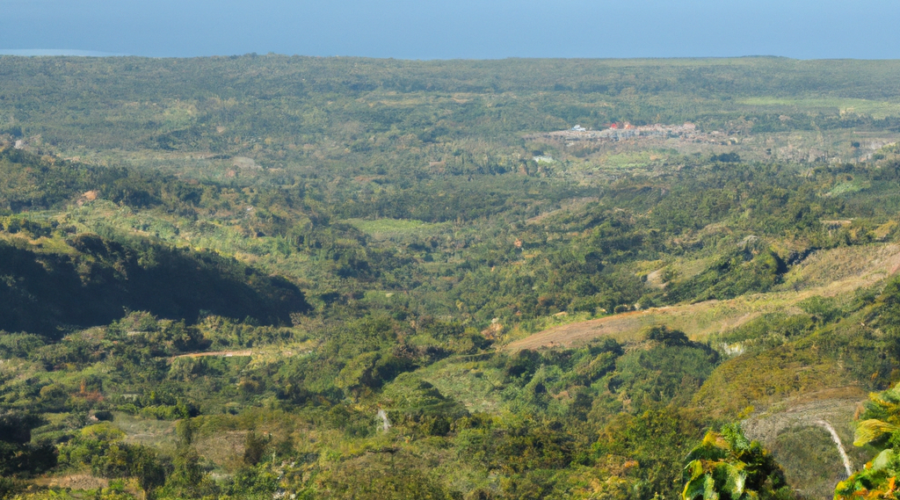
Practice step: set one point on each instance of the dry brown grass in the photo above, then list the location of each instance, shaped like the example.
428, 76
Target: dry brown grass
566, 206
830, 273
225, 354
147, 432
843, 269
74, 482
225, 449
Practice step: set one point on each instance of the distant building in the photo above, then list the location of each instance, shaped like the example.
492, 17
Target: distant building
618, 131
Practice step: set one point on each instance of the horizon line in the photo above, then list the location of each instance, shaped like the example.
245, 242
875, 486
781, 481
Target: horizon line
101, 54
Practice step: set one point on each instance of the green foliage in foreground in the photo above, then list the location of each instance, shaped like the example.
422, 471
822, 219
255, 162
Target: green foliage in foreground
879, 427
728, 466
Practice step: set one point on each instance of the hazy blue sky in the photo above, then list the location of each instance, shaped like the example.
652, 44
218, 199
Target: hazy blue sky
425, 29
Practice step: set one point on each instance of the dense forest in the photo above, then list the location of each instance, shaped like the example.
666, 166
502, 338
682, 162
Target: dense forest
287, 277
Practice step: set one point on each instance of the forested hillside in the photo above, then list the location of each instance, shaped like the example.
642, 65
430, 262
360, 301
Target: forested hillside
270, 277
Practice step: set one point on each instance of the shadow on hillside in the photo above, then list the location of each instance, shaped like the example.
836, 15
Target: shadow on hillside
48, 293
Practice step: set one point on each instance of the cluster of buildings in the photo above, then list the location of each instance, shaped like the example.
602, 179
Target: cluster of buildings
620, 131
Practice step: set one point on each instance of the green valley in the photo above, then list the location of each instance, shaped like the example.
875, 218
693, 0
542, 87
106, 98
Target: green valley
291, 277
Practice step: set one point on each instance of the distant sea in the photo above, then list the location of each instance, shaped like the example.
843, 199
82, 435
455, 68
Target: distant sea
56, 52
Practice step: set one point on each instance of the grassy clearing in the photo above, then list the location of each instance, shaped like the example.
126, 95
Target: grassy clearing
155, 433
848, 187
635, 159
844, 269
468, 383
389, 228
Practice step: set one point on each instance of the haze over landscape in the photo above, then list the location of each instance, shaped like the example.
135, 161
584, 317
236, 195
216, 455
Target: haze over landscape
577, 250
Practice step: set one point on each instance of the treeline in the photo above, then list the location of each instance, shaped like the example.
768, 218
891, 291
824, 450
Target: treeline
274, 76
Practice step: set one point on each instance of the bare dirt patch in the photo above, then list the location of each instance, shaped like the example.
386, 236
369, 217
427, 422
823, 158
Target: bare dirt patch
245, 163
564, 207
224, 354
225, 449
698, 320
148, 432
74, 482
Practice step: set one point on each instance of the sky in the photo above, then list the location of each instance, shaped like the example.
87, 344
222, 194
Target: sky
458, 29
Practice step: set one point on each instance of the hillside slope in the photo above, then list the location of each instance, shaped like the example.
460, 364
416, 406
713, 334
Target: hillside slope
830, 273
335, 278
